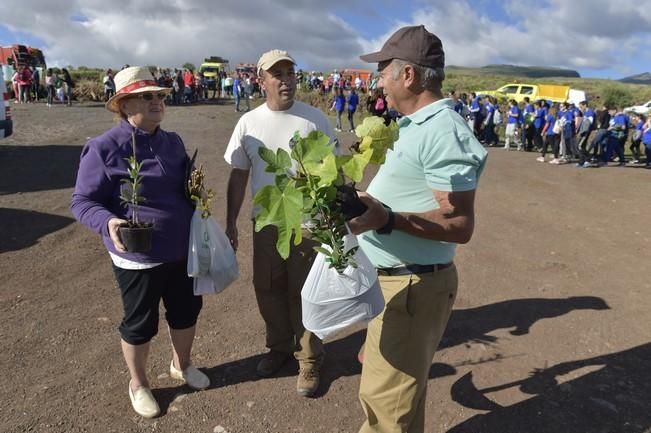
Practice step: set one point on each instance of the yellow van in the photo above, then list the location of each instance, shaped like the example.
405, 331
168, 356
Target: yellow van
547, 92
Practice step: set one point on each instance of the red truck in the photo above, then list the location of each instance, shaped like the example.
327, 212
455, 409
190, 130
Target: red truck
21, 55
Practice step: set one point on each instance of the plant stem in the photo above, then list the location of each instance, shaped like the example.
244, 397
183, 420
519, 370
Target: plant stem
134, 185
325, 214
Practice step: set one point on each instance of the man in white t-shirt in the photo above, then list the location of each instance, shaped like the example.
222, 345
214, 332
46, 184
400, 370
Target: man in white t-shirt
277, 282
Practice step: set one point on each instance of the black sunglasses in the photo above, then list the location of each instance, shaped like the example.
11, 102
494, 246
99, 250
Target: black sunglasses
148, 96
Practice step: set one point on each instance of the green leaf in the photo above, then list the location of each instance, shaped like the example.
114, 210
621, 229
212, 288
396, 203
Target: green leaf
375, 135
353, 165
322, 251
308, 191
282, 181
277, 162
308, 203
313, 148
325, 170
283, 209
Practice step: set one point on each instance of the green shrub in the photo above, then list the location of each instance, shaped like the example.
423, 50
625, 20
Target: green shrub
617, 96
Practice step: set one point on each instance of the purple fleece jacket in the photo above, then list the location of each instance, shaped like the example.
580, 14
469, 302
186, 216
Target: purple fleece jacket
96, 198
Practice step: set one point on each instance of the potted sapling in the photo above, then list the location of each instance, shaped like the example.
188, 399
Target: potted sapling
314, 185
135, 234
315, 188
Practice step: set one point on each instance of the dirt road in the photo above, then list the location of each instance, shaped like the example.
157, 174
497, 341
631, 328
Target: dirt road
554, 282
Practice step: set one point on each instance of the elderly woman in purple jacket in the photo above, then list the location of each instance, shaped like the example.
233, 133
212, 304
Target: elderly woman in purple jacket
144, 278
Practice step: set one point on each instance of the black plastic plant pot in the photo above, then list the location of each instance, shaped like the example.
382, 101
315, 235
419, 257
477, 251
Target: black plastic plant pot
351, 205
136, 239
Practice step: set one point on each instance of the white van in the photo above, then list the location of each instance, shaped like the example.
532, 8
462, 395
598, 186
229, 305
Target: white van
6, 125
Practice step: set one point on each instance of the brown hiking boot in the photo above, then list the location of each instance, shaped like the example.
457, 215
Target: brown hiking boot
308, 380
271, 362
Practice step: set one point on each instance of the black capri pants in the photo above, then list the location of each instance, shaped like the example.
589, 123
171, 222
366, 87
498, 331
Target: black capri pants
142, 291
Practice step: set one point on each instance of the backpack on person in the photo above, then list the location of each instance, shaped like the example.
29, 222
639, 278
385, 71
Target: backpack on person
558, 125
585, 126
497, 117
379, 105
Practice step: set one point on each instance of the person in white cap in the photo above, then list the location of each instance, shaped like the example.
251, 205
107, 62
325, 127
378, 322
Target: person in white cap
144, 278
277, 282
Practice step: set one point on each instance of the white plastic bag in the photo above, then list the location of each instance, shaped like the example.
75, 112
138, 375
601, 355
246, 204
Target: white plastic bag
332, 301
211, 259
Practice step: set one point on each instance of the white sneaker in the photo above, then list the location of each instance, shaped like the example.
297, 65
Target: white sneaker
555, 161
193, 377
143, 402
540, 159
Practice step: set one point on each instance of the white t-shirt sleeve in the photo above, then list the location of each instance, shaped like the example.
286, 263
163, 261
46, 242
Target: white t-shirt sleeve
235, 154
325, 127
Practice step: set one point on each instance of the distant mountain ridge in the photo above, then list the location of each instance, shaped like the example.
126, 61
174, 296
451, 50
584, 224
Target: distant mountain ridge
643, 78
519, 71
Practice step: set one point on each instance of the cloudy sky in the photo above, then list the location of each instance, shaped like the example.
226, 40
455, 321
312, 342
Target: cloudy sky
599, 38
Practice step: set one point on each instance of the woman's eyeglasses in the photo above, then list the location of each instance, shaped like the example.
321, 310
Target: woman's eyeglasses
148, 96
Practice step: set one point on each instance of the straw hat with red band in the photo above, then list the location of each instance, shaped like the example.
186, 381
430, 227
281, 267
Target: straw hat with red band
130, 81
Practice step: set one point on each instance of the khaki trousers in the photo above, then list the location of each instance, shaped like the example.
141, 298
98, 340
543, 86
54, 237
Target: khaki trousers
399, 348
278, 285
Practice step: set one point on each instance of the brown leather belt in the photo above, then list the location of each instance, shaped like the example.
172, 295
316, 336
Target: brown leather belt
413, 269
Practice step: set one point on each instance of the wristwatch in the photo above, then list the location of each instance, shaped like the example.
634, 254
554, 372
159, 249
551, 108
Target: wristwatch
388, 227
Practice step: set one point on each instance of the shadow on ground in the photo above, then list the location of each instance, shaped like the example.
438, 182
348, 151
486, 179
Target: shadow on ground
611, 394
21, 228
474, 324
465, 326
38, 168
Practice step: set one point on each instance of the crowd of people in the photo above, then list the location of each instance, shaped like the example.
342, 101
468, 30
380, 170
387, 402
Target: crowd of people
560, 132
26, 86
419, 205
189, 86
325, 84
566, 132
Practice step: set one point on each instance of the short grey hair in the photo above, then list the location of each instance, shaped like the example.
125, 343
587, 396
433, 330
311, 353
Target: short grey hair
430, 78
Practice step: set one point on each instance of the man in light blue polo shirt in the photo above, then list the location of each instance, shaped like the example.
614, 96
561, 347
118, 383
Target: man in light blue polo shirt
428, 183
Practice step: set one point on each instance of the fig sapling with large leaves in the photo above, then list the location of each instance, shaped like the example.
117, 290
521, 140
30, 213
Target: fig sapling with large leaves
313, 186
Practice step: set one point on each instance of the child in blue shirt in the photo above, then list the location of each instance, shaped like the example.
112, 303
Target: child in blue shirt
551, 138
489, 124
338, 105
538, 124
636, 141
528, 129
475, 115
646, 140
352, 102
585, 119
512, 125
569, 130
617, 134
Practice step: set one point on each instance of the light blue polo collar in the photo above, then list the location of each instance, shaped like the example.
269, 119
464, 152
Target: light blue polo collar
426, 112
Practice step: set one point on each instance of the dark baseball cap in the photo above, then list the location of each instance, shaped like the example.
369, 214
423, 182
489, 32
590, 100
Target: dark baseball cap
412, 44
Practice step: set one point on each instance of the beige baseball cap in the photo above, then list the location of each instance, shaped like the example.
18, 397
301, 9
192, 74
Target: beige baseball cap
270, 58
